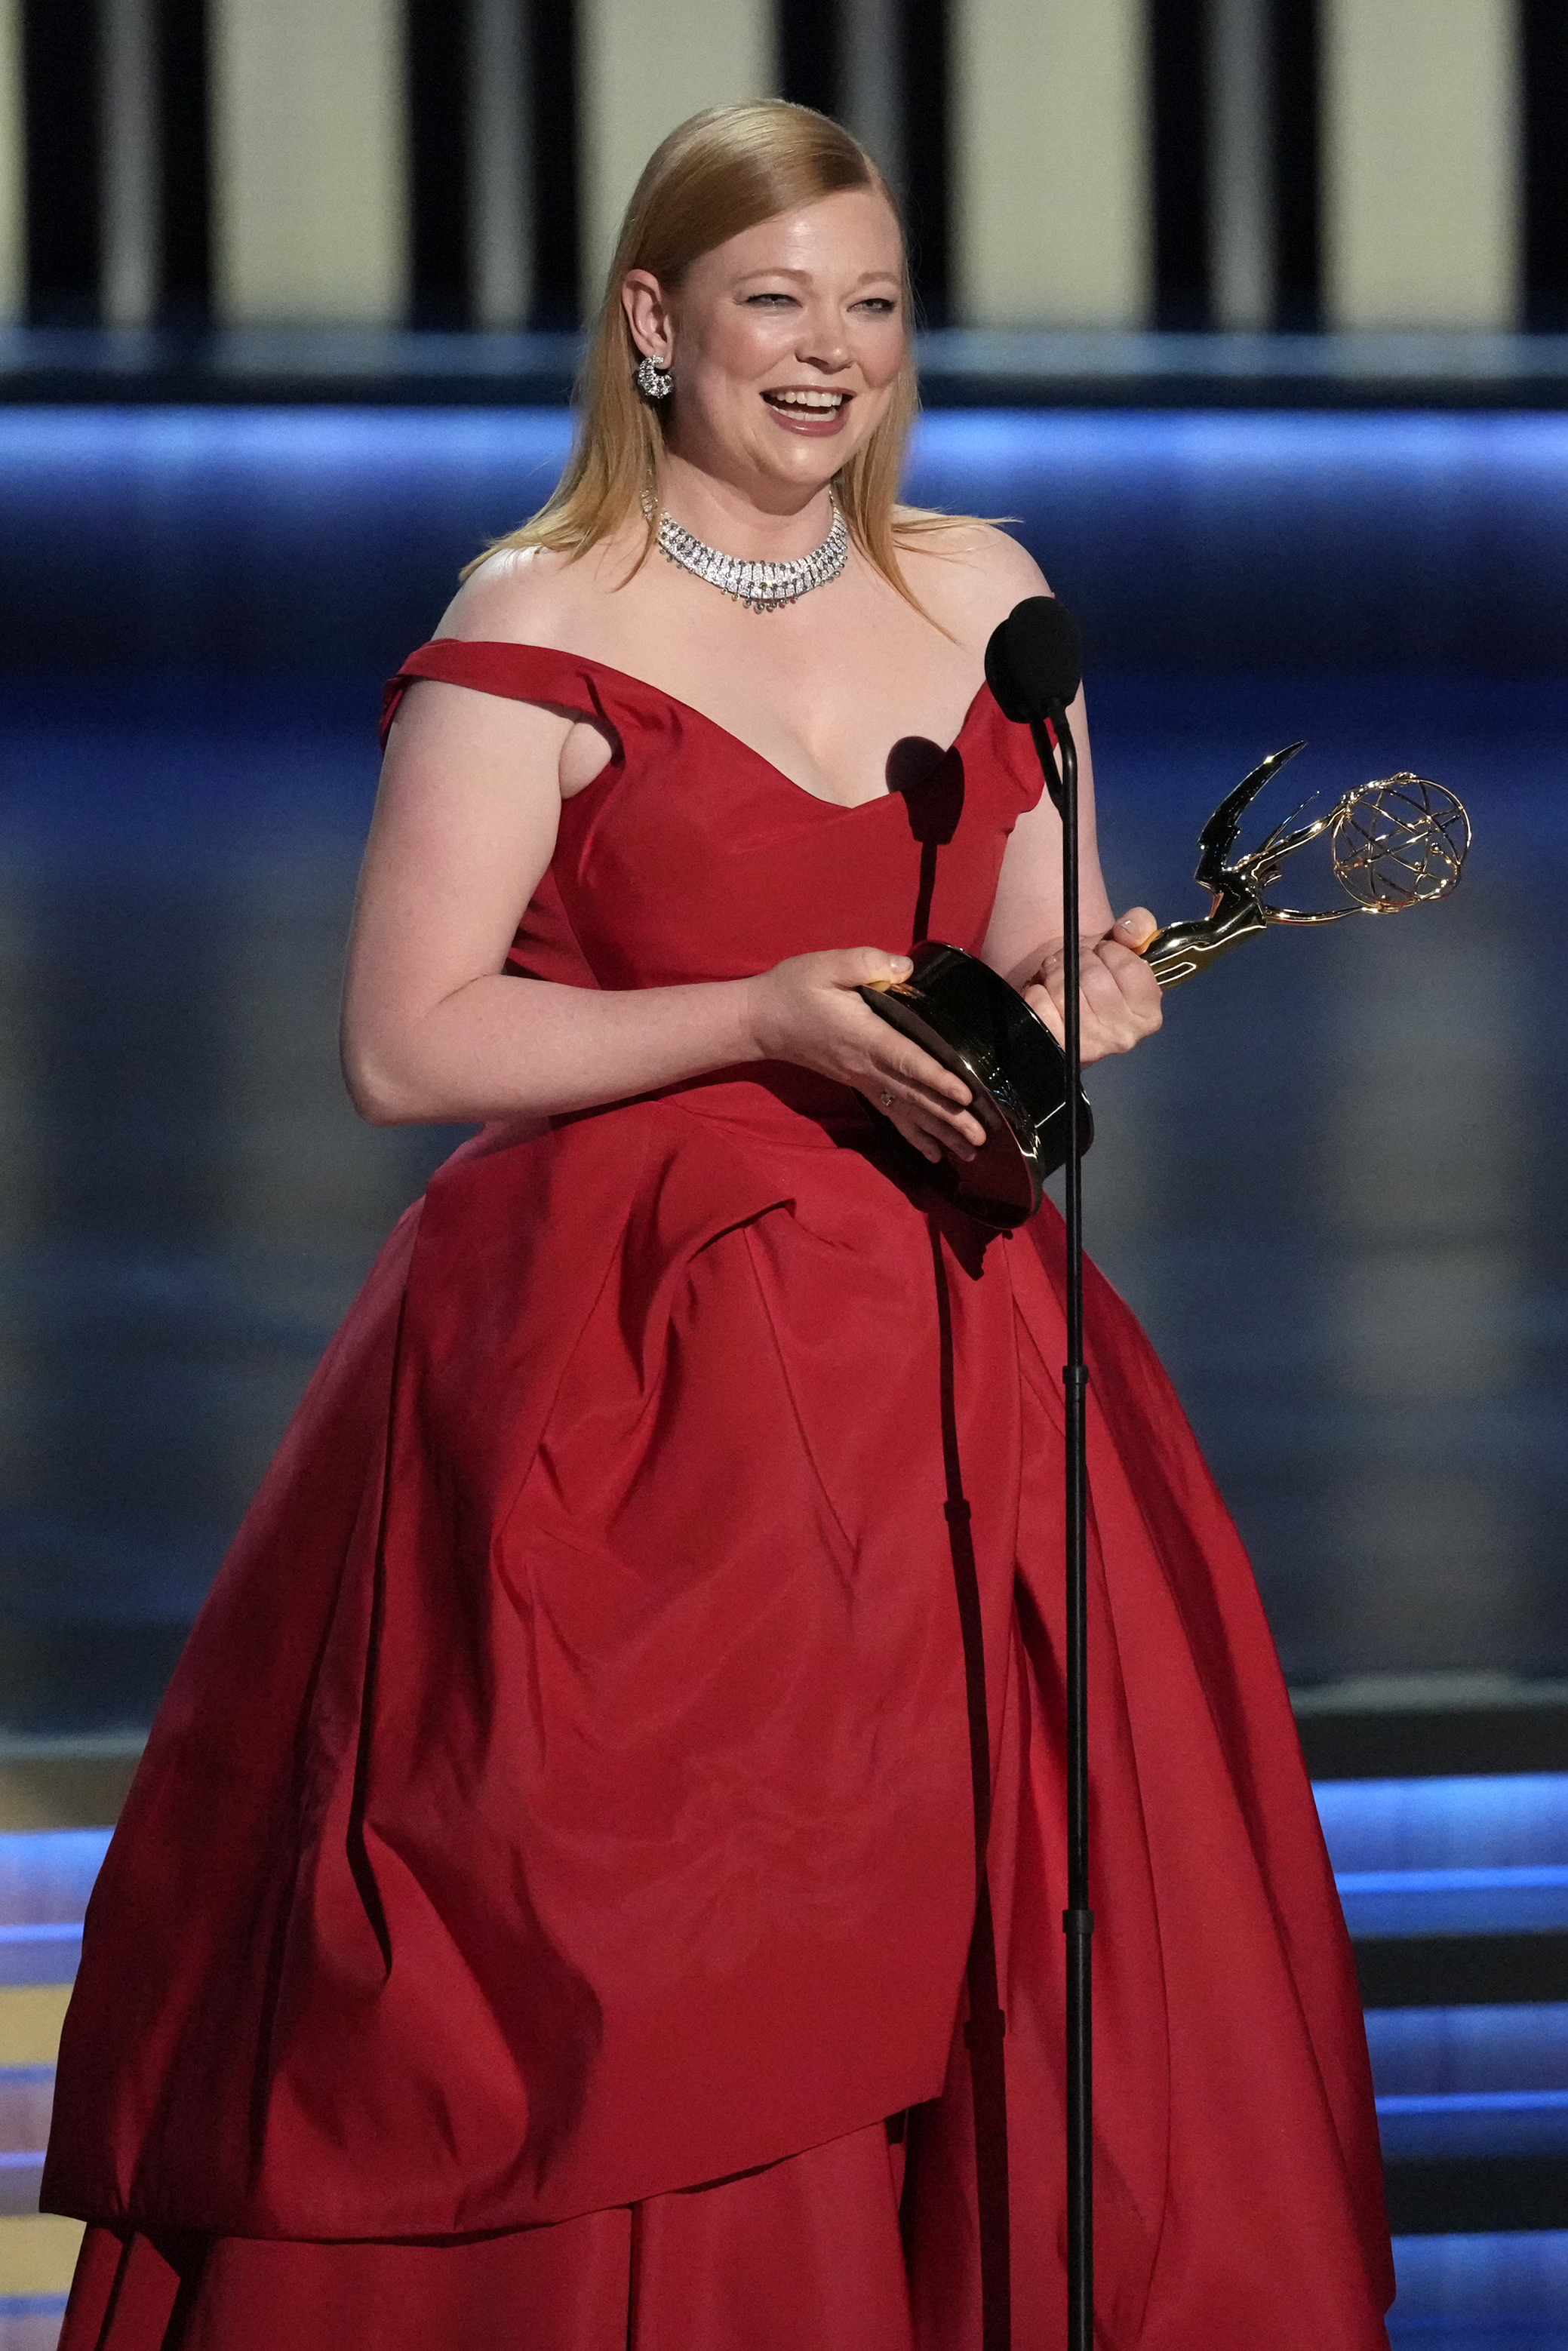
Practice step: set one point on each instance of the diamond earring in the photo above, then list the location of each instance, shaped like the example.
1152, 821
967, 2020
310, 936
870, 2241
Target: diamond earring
653, 378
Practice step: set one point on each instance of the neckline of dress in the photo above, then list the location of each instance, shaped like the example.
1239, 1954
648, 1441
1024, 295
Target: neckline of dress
716, 726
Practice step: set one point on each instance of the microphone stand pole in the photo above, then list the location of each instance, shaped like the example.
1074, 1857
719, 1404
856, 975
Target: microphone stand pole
1078, 1918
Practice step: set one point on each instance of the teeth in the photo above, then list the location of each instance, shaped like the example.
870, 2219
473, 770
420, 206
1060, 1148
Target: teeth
807, 399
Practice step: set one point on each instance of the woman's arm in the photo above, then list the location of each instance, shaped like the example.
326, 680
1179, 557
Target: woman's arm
432, 1026
1119, 996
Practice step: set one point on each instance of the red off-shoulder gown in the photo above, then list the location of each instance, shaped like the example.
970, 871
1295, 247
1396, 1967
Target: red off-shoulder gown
541, 1920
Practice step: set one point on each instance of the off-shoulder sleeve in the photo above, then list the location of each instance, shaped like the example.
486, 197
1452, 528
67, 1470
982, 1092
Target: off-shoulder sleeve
519, 673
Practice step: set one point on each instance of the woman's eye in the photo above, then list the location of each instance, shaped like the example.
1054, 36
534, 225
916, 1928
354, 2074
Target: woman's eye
882, 305
769, 297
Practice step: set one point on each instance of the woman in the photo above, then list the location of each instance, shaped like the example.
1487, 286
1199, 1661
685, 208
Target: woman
547, 1915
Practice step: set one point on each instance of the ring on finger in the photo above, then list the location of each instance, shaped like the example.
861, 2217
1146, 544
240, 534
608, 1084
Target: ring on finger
887, 1099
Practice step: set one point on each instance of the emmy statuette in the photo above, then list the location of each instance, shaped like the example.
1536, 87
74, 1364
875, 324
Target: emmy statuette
1394, 843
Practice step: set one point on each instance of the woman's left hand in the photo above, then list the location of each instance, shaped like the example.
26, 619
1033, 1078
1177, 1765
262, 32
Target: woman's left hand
1119, 996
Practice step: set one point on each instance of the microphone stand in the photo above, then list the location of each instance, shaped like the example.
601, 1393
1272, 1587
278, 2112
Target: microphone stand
1078, 1918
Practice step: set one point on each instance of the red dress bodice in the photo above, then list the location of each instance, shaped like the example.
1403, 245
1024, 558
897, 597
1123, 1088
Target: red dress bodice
690, 856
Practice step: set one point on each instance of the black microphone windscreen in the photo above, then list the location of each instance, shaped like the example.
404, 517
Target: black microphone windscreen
1034, 658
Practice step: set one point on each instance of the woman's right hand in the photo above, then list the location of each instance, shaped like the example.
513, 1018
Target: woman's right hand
805, 1010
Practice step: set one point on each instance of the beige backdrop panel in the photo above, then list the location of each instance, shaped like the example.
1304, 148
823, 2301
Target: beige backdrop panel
1420, 164
310, 211
1051, 224
646, 68
12, 263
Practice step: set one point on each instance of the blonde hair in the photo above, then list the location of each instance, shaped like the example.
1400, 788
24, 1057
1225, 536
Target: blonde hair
722, 171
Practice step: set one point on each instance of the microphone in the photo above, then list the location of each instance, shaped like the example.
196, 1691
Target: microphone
1034, 662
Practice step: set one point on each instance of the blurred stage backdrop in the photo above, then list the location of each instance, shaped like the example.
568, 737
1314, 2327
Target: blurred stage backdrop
1251, 313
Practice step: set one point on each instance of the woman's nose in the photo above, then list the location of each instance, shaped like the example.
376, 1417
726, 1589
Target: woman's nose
822, 342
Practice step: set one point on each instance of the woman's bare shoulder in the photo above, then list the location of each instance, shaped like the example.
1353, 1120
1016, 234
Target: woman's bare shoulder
526, 596
968, 574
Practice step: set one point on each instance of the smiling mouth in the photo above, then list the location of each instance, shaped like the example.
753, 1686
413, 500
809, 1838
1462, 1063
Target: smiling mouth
799, 402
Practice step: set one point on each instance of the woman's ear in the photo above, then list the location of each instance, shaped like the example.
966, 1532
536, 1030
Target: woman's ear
642, 300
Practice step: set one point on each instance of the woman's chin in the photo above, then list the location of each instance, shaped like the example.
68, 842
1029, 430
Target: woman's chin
806, 463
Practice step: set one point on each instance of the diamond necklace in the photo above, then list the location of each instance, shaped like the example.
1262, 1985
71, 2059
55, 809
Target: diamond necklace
760, 587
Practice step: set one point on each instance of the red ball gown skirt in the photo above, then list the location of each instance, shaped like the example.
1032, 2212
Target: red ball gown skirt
548, 1917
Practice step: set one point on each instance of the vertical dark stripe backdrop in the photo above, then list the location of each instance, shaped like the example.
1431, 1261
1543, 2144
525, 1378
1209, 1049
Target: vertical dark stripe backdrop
925, 82
63, 111
1181, 146
63, 128
185, 161
812, 54
1179, 153
62, 118
441, 209
554, 50
1295, 49
1544, 27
